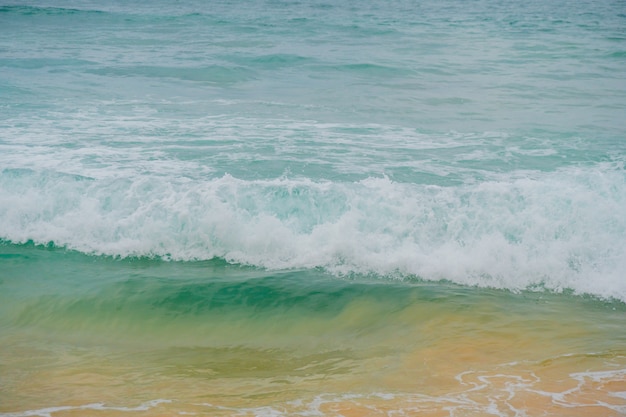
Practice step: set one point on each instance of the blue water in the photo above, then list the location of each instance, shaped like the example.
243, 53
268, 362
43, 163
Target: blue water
355, 148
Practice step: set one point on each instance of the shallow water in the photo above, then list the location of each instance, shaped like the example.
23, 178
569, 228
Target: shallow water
102, 336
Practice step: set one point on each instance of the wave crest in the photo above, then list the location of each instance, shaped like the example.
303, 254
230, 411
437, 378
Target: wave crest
563, 230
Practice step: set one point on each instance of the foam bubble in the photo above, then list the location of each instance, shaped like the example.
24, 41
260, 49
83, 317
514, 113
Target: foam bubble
560, 230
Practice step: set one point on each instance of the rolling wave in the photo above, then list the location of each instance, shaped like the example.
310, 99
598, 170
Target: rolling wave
559, 230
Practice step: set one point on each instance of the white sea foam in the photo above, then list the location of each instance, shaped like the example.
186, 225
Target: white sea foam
503, 393
479, 393
560, 230
507, 391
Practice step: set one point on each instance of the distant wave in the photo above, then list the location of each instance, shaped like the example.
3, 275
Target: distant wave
34, 10
209, 74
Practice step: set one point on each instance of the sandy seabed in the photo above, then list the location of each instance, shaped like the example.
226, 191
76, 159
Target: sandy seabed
464, 363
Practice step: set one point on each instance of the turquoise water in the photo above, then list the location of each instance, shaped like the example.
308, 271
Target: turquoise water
103, 336
218, 195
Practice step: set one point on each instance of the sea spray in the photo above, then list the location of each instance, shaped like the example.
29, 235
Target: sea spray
560, 230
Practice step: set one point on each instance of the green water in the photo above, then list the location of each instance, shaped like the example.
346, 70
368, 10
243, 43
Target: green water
215, 333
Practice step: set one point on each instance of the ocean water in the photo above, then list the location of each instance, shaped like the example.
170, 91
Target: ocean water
311, 208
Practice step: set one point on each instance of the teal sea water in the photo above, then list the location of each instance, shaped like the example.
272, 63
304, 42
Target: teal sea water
312, 208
